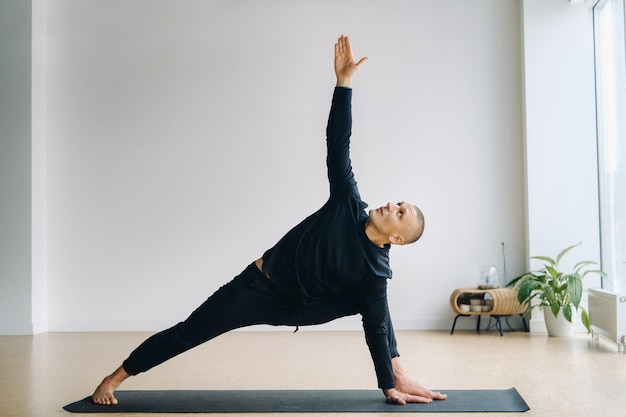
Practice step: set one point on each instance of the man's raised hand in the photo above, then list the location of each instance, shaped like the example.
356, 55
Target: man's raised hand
345, 64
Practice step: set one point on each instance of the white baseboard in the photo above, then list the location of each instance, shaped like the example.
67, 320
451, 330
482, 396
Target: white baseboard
23, 328
352, 323
538, 325
40, 327
108, 326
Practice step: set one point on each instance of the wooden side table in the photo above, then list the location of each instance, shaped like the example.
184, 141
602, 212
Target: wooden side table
505, 304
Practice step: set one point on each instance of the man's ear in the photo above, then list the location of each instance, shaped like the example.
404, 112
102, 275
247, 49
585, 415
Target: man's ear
396, 239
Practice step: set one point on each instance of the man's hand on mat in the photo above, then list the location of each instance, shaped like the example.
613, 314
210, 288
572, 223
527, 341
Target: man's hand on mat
345, 64
411, 387
408, 390
394, 396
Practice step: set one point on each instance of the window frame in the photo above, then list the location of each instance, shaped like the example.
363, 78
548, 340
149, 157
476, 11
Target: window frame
610, 63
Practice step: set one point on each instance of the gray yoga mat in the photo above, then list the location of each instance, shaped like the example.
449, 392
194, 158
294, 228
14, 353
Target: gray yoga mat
299, 401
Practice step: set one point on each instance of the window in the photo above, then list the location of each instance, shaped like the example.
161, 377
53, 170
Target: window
610, 59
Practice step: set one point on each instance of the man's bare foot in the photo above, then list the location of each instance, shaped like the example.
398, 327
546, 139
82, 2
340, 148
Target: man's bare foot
104, 393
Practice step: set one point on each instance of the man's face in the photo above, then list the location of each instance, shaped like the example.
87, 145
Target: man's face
395, 219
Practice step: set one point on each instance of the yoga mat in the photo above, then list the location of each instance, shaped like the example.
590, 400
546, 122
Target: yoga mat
299, 401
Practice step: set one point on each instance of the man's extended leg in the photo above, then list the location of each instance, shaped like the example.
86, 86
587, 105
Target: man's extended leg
247, 300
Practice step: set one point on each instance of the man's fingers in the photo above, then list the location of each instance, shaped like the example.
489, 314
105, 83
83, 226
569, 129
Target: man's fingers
342, 44
347, 44
435, 395
417, 399
439, 396
402, 399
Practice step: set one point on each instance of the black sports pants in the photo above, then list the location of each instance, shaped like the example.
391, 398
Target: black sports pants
249, 299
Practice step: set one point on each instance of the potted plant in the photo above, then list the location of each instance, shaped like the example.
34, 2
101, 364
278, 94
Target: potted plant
559, 293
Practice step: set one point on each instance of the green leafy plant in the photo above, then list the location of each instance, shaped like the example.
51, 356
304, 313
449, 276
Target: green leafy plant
555, 289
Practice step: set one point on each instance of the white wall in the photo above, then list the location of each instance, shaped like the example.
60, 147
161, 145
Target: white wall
186, 137
562, 182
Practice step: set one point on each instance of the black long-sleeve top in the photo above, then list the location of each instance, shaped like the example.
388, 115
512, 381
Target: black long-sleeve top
329, 252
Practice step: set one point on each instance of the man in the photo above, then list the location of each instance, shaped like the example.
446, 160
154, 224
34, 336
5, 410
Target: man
333, 264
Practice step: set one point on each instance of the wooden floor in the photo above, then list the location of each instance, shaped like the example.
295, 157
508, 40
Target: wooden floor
556, 376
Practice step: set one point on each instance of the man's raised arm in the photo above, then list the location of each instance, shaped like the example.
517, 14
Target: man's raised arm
339, 126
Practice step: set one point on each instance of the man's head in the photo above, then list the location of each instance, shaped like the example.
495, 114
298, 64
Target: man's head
399, 224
